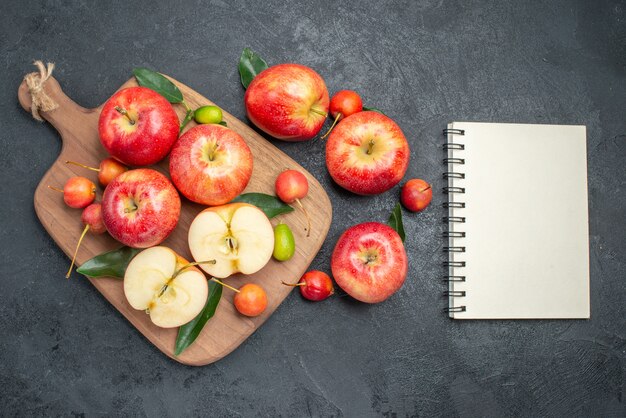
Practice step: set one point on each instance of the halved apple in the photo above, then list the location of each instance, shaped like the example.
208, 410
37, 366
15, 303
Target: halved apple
156, 281
238, 236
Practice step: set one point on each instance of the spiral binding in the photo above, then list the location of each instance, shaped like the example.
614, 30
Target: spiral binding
449, 190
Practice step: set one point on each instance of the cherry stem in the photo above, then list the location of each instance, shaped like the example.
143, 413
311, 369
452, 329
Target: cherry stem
82, 165
333, 125
319, 112
295, 284
69, 272
225, 285
56, 189
308, 219
125, 113
186, 266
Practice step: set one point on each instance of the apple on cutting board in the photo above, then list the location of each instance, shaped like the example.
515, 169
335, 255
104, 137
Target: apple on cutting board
138, 126
238, 236
140, 208
211, 164
165, 285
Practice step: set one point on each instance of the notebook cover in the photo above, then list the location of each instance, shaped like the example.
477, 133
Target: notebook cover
526, 244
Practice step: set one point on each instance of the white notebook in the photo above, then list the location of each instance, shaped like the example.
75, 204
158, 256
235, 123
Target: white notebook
517, 238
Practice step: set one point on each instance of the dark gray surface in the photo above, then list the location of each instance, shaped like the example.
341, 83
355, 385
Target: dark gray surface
64, 350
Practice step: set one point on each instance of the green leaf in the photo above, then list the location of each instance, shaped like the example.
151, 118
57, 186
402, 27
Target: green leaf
188, 333
395, 221
110, 264
271, 205
188, 117
223, 123
250, 64
373, 109
158, 83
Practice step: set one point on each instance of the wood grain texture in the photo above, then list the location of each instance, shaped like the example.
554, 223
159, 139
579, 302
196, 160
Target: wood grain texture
227, 329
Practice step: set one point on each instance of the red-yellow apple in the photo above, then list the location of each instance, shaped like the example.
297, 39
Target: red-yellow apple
367, 153
211, 164
288, 102
163, 284
138, 126
238, 236
140, 208
369, 262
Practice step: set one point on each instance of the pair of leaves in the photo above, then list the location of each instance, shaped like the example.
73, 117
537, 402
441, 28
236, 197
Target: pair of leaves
250, 65
395, 221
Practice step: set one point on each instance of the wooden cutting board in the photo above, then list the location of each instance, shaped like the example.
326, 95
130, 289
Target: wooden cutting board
78, 128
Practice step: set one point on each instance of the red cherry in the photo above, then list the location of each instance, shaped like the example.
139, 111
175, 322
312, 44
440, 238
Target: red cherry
343, 104
291, 186
109, 169
250, 300
315, 285
78, 192
416, 195
92, 219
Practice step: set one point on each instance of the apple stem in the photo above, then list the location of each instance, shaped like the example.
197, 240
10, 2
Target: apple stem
333, 125
163, 289
186, 266
125, 113
295, 284
184, 103
319, 112
225, 285
56, 189
134, 208
308, 219
423, 190
211, 153
82, 165
370, 146
69, 272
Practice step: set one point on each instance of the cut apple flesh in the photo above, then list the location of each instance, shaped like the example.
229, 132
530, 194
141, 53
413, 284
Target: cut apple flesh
238, 236
154, 282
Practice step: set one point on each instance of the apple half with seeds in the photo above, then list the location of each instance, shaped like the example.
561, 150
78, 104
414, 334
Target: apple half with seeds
163, 284
238, 236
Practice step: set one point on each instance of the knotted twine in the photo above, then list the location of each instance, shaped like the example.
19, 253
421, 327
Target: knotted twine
35, 81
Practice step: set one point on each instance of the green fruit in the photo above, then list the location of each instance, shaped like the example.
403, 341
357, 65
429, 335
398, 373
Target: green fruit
208, 114
284, 244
